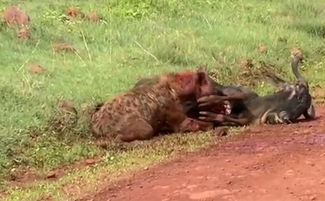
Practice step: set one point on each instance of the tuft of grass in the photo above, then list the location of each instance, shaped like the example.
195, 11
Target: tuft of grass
134, 39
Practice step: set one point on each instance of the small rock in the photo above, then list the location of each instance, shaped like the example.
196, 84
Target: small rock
313, 197
90, 161
51, 174
36, 69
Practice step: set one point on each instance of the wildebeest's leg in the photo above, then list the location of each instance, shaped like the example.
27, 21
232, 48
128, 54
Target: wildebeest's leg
221, 118
310, 113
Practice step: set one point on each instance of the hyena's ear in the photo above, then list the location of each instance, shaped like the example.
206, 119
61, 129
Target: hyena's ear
202, 68
202, 73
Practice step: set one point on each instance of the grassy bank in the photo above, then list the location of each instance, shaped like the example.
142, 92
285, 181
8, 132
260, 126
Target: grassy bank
134, 39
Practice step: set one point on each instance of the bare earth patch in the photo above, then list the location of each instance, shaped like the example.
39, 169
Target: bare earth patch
280, 162
14, 16
36, 69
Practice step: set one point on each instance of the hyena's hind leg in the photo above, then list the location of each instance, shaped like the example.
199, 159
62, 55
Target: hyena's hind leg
136, 129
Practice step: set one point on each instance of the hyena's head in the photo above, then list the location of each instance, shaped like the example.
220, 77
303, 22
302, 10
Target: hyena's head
191, 85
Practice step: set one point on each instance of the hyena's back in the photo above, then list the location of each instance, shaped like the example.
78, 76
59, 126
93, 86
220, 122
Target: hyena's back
139, 110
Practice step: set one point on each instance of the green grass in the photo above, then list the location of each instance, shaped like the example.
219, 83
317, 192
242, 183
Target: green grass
135, 39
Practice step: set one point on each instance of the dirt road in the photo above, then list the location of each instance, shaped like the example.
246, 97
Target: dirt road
269, 163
